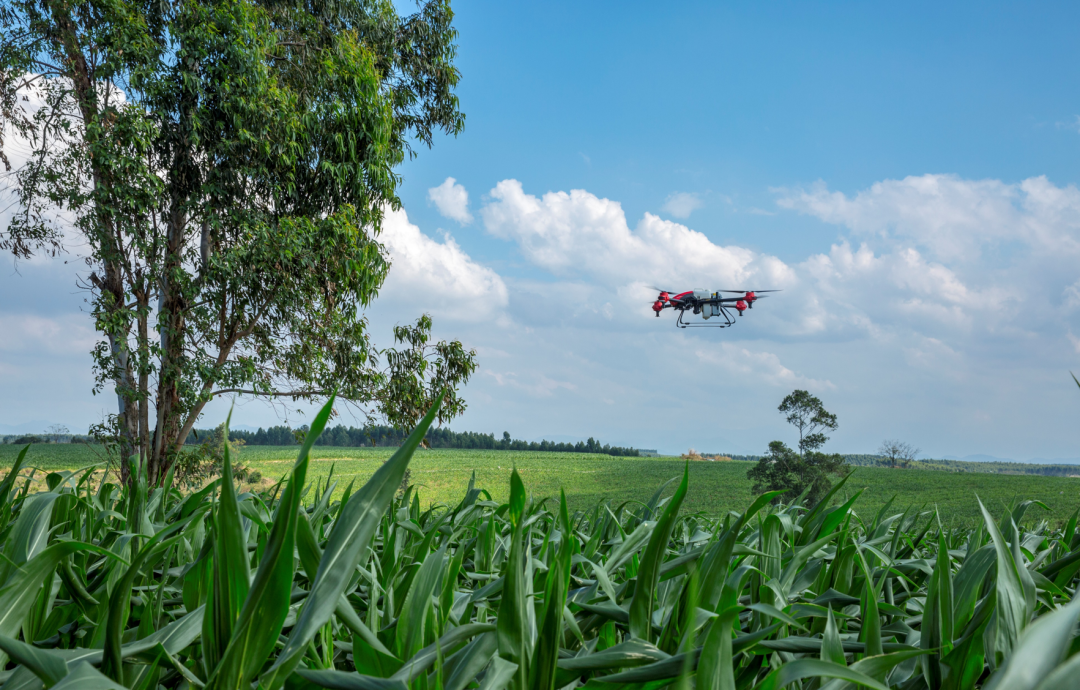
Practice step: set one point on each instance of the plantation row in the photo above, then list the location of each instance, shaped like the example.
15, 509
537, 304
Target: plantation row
103, 587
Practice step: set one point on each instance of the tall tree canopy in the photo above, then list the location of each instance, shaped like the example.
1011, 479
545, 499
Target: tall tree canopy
226, 165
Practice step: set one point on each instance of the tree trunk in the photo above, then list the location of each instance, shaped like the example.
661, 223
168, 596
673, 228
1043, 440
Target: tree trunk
144, 374
117, 326
171, 328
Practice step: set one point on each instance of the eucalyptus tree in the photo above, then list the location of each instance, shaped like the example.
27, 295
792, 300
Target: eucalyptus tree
808, 470
224, 167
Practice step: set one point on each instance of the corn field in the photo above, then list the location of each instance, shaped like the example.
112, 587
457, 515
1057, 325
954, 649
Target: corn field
104, 587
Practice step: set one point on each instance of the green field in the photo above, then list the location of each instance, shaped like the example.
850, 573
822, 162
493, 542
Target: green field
715, 487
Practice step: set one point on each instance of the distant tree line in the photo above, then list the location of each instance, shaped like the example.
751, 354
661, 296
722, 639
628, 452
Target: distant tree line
376, 435
23, 439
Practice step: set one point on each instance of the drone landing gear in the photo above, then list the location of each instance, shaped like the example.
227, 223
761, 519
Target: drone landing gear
722, 320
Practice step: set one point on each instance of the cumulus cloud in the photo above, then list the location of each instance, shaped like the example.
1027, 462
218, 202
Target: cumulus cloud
575, 233
952, 217
846, 292
871, 291
438, 276
944, 254
452, 200
682, 204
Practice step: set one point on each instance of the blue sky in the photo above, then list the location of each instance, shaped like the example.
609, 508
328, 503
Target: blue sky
906, 173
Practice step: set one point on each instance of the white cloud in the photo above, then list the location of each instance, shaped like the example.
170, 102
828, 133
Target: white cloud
682, 204
60, 335
758, 366
577, 233
437, 276
452, 200
952, 217
845, 293
535, 385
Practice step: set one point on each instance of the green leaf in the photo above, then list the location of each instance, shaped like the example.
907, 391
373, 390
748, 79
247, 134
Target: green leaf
871, 620
833, 519
1040, 649
339, 680
1063, 677
874, 666
810, 520
119, 603
499, 675
632, 652
474, 658
83, 676
230, 573
425, 658
641, 606
349, 540
267, 604
831, 647
716, 670
1012, 611
512, 622
815, 668
558, 581
517, 498
29, 534
6, 487
50, 668
411, 625
22, 588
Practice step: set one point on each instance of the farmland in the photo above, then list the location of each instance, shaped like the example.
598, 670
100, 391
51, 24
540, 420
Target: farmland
136, 588
715, 487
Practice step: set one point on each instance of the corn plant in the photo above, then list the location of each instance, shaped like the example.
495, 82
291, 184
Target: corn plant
105, 587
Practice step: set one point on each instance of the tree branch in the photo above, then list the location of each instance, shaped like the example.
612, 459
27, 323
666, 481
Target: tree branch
272, 394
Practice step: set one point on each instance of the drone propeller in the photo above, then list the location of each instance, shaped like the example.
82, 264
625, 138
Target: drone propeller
743, 292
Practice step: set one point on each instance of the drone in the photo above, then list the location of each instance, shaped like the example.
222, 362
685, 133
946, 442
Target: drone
710, 305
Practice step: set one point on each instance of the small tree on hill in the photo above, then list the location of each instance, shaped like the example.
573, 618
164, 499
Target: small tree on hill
806, 413
898, 453
785, 469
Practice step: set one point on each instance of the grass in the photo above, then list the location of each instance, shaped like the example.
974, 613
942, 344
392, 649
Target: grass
715, 487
